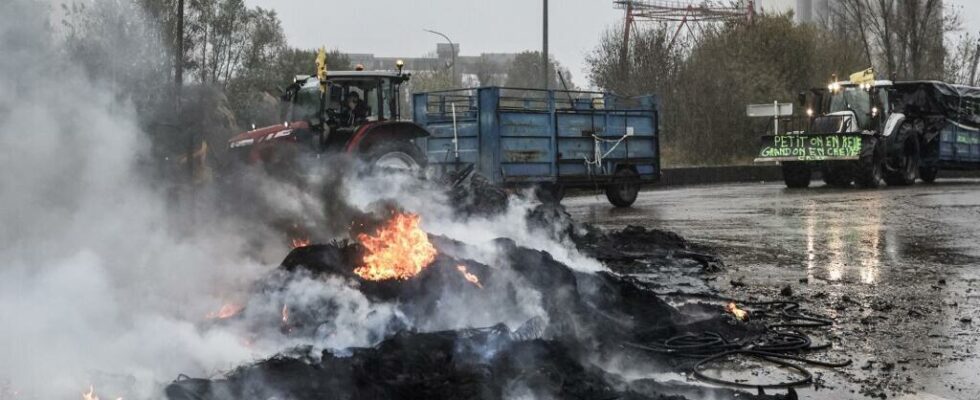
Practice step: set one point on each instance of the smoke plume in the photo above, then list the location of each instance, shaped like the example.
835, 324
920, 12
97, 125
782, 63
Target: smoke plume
107, 275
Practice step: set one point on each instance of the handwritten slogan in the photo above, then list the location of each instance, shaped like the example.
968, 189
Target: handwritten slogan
812, 148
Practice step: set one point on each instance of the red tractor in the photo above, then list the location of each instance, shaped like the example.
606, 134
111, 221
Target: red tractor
353, 112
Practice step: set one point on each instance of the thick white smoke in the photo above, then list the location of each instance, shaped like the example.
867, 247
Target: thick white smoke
440, 218
104, 281
96, 278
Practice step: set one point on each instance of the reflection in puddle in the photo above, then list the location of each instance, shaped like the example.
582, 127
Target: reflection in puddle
841, 242
811, 230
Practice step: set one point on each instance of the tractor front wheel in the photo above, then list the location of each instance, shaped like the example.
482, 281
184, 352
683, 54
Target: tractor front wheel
796, 175
870, 169
835, 176
906, 167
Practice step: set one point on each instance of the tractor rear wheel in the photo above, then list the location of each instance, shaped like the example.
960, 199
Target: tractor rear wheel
624, 189
397, 156
796, 175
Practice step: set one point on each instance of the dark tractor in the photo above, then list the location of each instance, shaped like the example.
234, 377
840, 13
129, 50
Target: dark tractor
352, 112
871, 132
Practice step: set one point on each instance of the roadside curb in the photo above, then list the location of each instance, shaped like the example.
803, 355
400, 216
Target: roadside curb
750, 173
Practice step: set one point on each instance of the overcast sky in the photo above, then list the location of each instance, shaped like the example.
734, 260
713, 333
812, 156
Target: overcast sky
395, 28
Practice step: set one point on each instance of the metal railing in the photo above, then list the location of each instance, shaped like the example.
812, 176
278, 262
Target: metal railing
439, 104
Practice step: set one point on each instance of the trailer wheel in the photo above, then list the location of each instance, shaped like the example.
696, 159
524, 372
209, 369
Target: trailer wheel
837, 177
550, 192
396, 155
870, 170
624, 189
907, 166
796, 175
928, 174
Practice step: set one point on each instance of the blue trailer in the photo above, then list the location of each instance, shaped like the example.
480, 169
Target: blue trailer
551, 139
950, 124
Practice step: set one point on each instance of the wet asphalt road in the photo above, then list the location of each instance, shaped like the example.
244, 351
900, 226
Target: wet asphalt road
898, 269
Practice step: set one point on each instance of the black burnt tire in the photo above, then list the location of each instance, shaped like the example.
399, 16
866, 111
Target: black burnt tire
384, 155
907, 165
837, 177
928, 174
796, 175
624, 189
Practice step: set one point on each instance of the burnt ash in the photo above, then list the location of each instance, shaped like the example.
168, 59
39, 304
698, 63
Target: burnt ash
630, 250
464, 364
488, 363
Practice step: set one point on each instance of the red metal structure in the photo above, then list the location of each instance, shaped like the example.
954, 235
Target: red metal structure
684, 14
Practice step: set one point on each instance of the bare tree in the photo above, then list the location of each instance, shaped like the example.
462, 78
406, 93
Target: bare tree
901, 38
962, 61
704, 85
525, 72
488, 72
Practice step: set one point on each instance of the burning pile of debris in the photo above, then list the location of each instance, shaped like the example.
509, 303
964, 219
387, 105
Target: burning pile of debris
544, 329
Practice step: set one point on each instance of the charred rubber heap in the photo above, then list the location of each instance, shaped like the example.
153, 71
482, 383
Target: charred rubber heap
591, 319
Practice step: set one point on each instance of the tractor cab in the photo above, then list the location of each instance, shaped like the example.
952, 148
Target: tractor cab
350, 98
847, 106
354, 112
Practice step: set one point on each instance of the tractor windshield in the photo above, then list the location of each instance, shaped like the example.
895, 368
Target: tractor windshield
852, 98
307, 103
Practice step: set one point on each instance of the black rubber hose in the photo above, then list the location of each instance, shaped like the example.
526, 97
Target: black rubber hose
781, 338
773, 358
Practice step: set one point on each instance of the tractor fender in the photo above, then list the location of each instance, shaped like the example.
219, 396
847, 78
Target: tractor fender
388, 130
892, 124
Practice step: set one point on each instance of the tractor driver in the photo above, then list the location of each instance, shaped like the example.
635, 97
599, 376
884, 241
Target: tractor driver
357, 109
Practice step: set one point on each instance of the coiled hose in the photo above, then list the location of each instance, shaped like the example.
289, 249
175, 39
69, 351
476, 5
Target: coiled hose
781, 338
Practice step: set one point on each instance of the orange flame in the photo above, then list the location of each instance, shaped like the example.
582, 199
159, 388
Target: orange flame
398, 250
228, 310
470, 277
91, 394
285, 314
300, 242
739, 313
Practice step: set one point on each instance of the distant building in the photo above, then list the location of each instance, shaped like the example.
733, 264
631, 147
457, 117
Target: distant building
494, 65
812, 10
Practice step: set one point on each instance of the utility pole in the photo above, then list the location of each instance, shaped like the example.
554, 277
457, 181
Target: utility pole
624, 52
545, 71
973, 69
452, 51
179, 51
